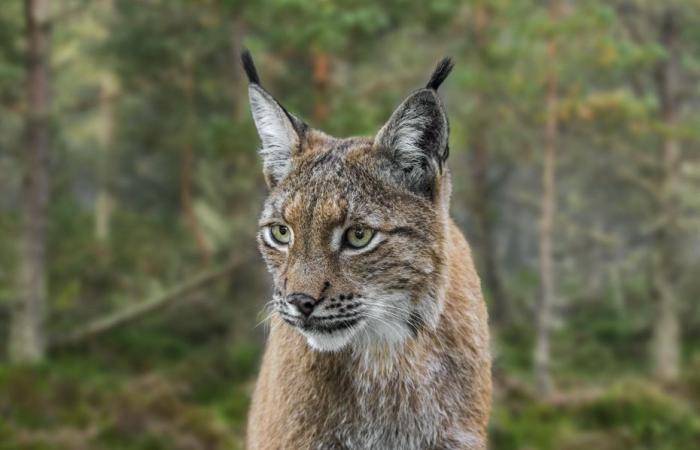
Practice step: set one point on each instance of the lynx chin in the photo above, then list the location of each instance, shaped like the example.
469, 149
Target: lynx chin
379, 333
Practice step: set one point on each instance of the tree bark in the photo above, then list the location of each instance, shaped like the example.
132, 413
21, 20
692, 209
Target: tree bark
546, 260
666, 339
26, 343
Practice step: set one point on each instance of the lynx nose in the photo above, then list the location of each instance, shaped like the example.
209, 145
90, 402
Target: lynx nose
304, 303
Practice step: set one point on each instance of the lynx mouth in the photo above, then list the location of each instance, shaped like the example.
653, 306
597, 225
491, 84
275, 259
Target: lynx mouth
321, 325
327, 334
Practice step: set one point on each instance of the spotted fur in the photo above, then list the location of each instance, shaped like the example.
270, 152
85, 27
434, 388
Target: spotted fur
395, 353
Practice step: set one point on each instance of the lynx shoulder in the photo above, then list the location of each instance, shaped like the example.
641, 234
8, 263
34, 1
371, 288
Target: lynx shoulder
379, 334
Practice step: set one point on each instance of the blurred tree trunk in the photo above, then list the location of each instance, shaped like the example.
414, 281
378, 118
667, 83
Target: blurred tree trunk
547, 283
481, 198
104, 203
27, 336
321, 80
187, 163
665, 348
236, 37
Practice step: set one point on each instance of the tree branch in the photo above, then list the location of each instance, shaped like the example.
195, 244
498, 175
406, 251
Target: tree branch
133, 312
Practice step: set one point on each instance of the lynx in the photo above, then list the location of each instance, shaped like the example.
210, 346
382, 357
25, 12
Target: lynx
378, 336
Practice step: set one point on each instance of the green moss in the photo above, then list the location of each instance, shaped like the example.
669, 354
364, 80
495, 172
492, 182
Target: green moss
634, 415
691, 380
649, 417
534, 426
195, 395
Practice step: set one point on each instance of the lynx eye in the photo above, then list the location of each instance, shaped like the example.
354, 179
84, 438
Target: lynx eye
281, 234
358, 237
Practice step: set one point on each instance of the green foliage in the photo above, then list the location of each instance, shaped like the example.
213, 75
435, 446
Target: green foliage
646, 416
532, 426
631, 414
188, 394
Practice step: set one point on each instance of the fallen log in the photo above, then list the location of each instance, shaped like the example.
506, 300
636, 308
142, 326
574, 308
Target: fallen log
133, 312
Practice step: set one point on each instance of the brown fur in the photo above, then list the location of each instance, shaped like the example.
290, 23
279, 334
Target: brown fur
298, 388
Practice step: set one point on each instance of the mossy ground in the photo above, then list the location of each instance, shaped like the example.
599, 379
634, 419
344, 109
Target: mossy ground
142, 388
121, 393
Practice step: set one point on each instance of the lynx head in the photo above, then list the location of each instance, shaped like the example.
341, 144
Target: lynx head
353, 230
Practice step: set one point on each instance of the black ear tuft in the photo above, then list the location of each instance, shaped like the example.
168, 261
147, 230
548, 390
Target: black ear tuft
249, 67
442, 70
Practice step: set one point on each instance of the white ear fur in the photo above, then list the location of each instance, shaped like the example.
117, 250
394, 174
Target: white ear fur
277, 133
403, 134
415, 139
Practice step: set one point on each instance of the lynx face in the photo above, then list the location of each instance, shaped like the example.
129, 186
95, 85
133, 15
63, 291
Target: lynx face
353, 229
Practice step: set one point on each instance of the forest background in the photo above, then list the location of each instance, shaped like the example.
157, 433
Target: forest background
130, 283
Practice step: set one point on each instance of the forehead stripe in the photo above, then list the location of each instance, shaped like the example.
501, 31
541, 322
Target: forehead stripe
408, 231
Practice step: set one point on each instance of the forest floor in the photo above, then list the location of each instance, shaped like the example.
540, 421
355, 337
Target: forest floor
142, 388
137, 389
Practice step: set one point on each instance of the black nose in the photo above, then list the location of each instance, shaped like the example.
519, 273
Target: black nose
304, 303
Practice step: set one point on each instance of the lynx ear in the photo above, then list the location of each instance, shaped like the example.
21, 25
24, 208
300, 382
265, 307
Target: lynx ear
279, 131
415, 137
